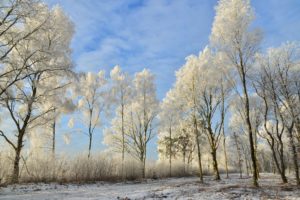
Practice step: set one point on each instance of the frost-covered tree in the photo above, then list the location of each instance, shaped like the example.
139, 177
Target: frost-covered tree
188, 88
232, 35
46, 54
278, 86
201, 92
20, 22
169, 117
135, 119
121, 89
143, 113
93, 100
184, 142
211, 105
272, 129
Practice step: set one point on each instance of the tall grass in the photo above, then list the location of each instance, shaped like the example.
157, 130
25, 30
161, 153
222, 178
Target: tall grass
80, 169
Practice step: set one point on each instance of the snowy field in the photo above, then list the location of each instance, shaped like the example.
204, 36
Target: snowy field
174, 188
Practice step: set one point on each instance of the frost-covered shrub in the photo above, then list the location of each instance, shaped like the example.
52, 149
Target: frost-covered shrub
5, 166
178, 169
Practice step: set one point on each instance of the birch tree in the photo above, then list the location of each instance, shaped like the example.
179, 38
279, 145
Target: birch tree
231, 34
278, 87
211, 105
93, 101
288, 70
187, 84
272, 130
143, 113
169, 115
121, 93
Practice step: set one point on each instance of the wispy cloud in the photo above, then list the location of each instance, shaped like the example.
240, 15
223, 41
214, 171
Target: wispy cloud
156, 34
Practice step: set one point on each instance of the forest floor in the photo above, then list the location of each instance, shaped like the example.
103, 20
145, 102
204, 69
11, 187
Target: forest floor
171, 188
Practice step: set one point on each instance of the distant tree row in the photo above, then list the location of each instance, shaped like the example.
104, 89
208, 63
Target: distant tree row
38, 86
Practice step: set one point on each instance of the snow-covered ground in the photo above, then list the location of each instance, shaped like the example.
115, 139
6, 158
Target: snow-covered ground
173, 188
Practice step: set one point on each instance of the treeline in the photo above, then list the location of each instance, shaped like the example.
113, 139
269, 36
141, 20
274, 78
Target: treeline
232, 108
233, 95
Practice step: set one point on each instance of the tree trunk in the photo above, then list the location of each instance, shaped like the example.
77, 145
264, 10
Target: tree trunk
170, 151
225, 155
246, 159
90, 131
273, 166
90, 144
280, 167
215, 164
18, 149
144, 168
297, 125
213, 153
53, 138
294, 155
183, 160
199, 162
53, 148
250, 132
143, 164
198, 149
123, 142
282, 164
16, 167
238, 153
223, 131
247, 167
255, 153
283, 177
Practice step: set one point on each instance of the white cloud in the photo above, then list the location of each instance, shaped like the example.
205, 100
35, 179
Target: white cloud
157, 34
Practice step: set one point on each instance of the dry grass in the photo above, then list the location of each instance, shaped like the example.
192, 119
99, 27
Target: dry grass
80, 169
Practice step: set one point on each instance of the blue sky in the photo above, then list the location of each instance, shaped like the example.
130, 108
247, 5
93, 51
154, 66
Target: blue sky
159, 34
